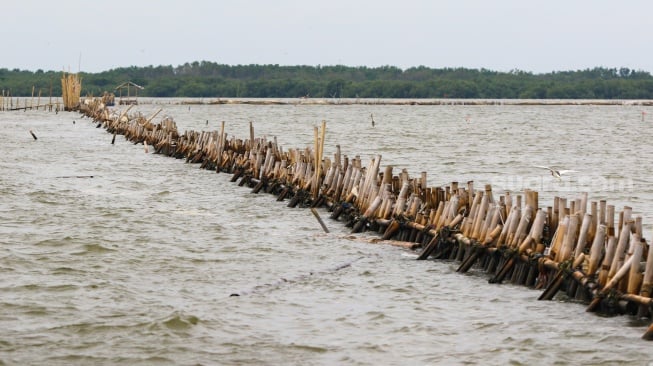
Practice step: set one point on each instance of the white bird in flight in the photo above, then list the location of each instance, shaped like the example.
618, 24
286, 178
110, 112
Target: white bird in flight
554, 172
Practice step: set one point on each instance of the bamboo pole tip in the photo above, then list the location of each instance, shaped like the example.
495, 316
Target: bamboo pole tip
649, 334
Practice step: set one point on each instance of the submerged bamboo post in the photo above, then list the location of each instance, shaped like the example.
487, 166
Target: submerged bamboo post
625, 268
319, 219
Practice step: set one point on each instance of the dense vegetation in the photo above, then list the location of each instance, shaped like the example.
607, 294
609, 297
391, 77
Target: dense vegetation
209, 79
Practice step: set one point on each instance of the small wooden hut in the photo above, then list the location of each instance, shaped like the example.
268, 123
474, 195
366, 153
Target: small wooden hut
129, 99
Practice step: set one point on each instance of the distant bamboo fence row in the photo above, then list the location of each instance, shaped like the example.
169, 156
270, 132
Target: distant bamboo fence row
9, 103
585, 250
71, 86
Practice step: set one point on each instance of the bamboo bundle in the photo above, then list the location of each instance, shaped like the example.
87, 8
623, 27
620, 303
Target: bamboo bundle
71, 88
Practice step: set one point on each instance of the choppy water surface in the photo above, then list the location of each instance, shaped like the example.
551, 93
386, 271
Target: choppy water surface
136, 265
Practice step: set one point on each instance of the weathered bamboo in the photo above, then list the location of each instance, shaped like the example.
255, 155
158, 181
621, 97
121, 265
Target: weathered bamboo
560, 276
432, 245
506, 227
471, 259
535, 236
522, 227
594, 222
558, 238
71, 86
453, 222
478, 220
610, 220
647, 281
635, 276
607, 261
596, 250
620, 252
566, 250
319, 219
513, 243
583, 235
623, 270
468, 227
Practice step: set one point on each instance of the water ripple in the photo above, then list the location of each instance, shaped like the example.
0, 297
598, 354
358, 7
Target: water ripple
135, 266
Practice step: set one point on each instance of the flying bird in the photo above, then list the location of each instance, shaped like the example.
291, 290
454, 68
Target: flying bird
556, 173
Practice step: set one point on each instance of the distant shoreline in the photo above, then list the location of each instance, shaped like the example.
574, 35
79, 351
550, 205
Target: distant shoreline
375, 101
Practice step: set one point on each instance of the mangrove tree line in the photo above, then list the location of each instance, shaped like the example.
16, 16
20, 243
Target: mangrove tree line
213, 80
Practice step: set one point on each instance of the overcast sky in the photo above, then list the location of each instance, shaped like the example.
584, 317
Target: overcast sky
500, 35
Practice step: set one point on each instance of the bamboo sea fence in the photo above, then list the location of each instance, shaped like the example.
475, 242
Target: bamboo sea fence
71, 96
586, 251
36, 102
71, 86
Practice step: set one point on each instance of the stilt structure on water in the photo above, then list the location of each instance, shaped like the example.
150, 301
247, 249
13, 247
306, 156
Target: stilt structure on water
573, 246
129, 99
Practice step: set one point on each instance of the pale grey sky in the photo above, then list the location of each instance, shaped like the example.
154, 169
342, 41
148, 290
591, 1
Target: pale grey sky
501, 35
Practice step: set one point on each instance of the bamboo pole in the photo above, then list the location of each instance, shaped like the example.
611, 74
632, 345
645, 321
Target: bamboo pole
635, 276
647, 281
535, 236
625, 268
607, 261
558, 279
596, 250
319, 219
558, 238
584, 232
620, 252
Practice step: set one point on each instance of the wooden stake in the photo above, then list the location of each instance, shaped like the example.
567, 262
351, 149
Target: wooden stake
319, 219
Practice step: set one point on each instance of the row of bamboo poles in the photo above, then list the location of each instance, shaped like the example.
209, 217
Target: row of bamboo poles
584, 250
71, 87
9, 103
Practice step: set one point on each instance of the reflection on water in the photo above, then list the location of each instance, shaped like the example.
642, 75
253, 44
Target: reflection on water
136, 264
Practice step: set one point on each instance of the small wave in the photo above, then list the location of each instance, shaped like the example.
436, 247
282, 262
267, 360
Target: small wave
35, 288
93, 248
83, 359
44, 197
188, 212
177, 321
78, 359
303, 347
375, 315
56, 242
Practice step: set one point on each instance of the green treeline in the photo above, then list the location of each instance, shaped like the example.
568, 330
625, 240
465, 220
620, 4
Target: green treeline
213, 80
